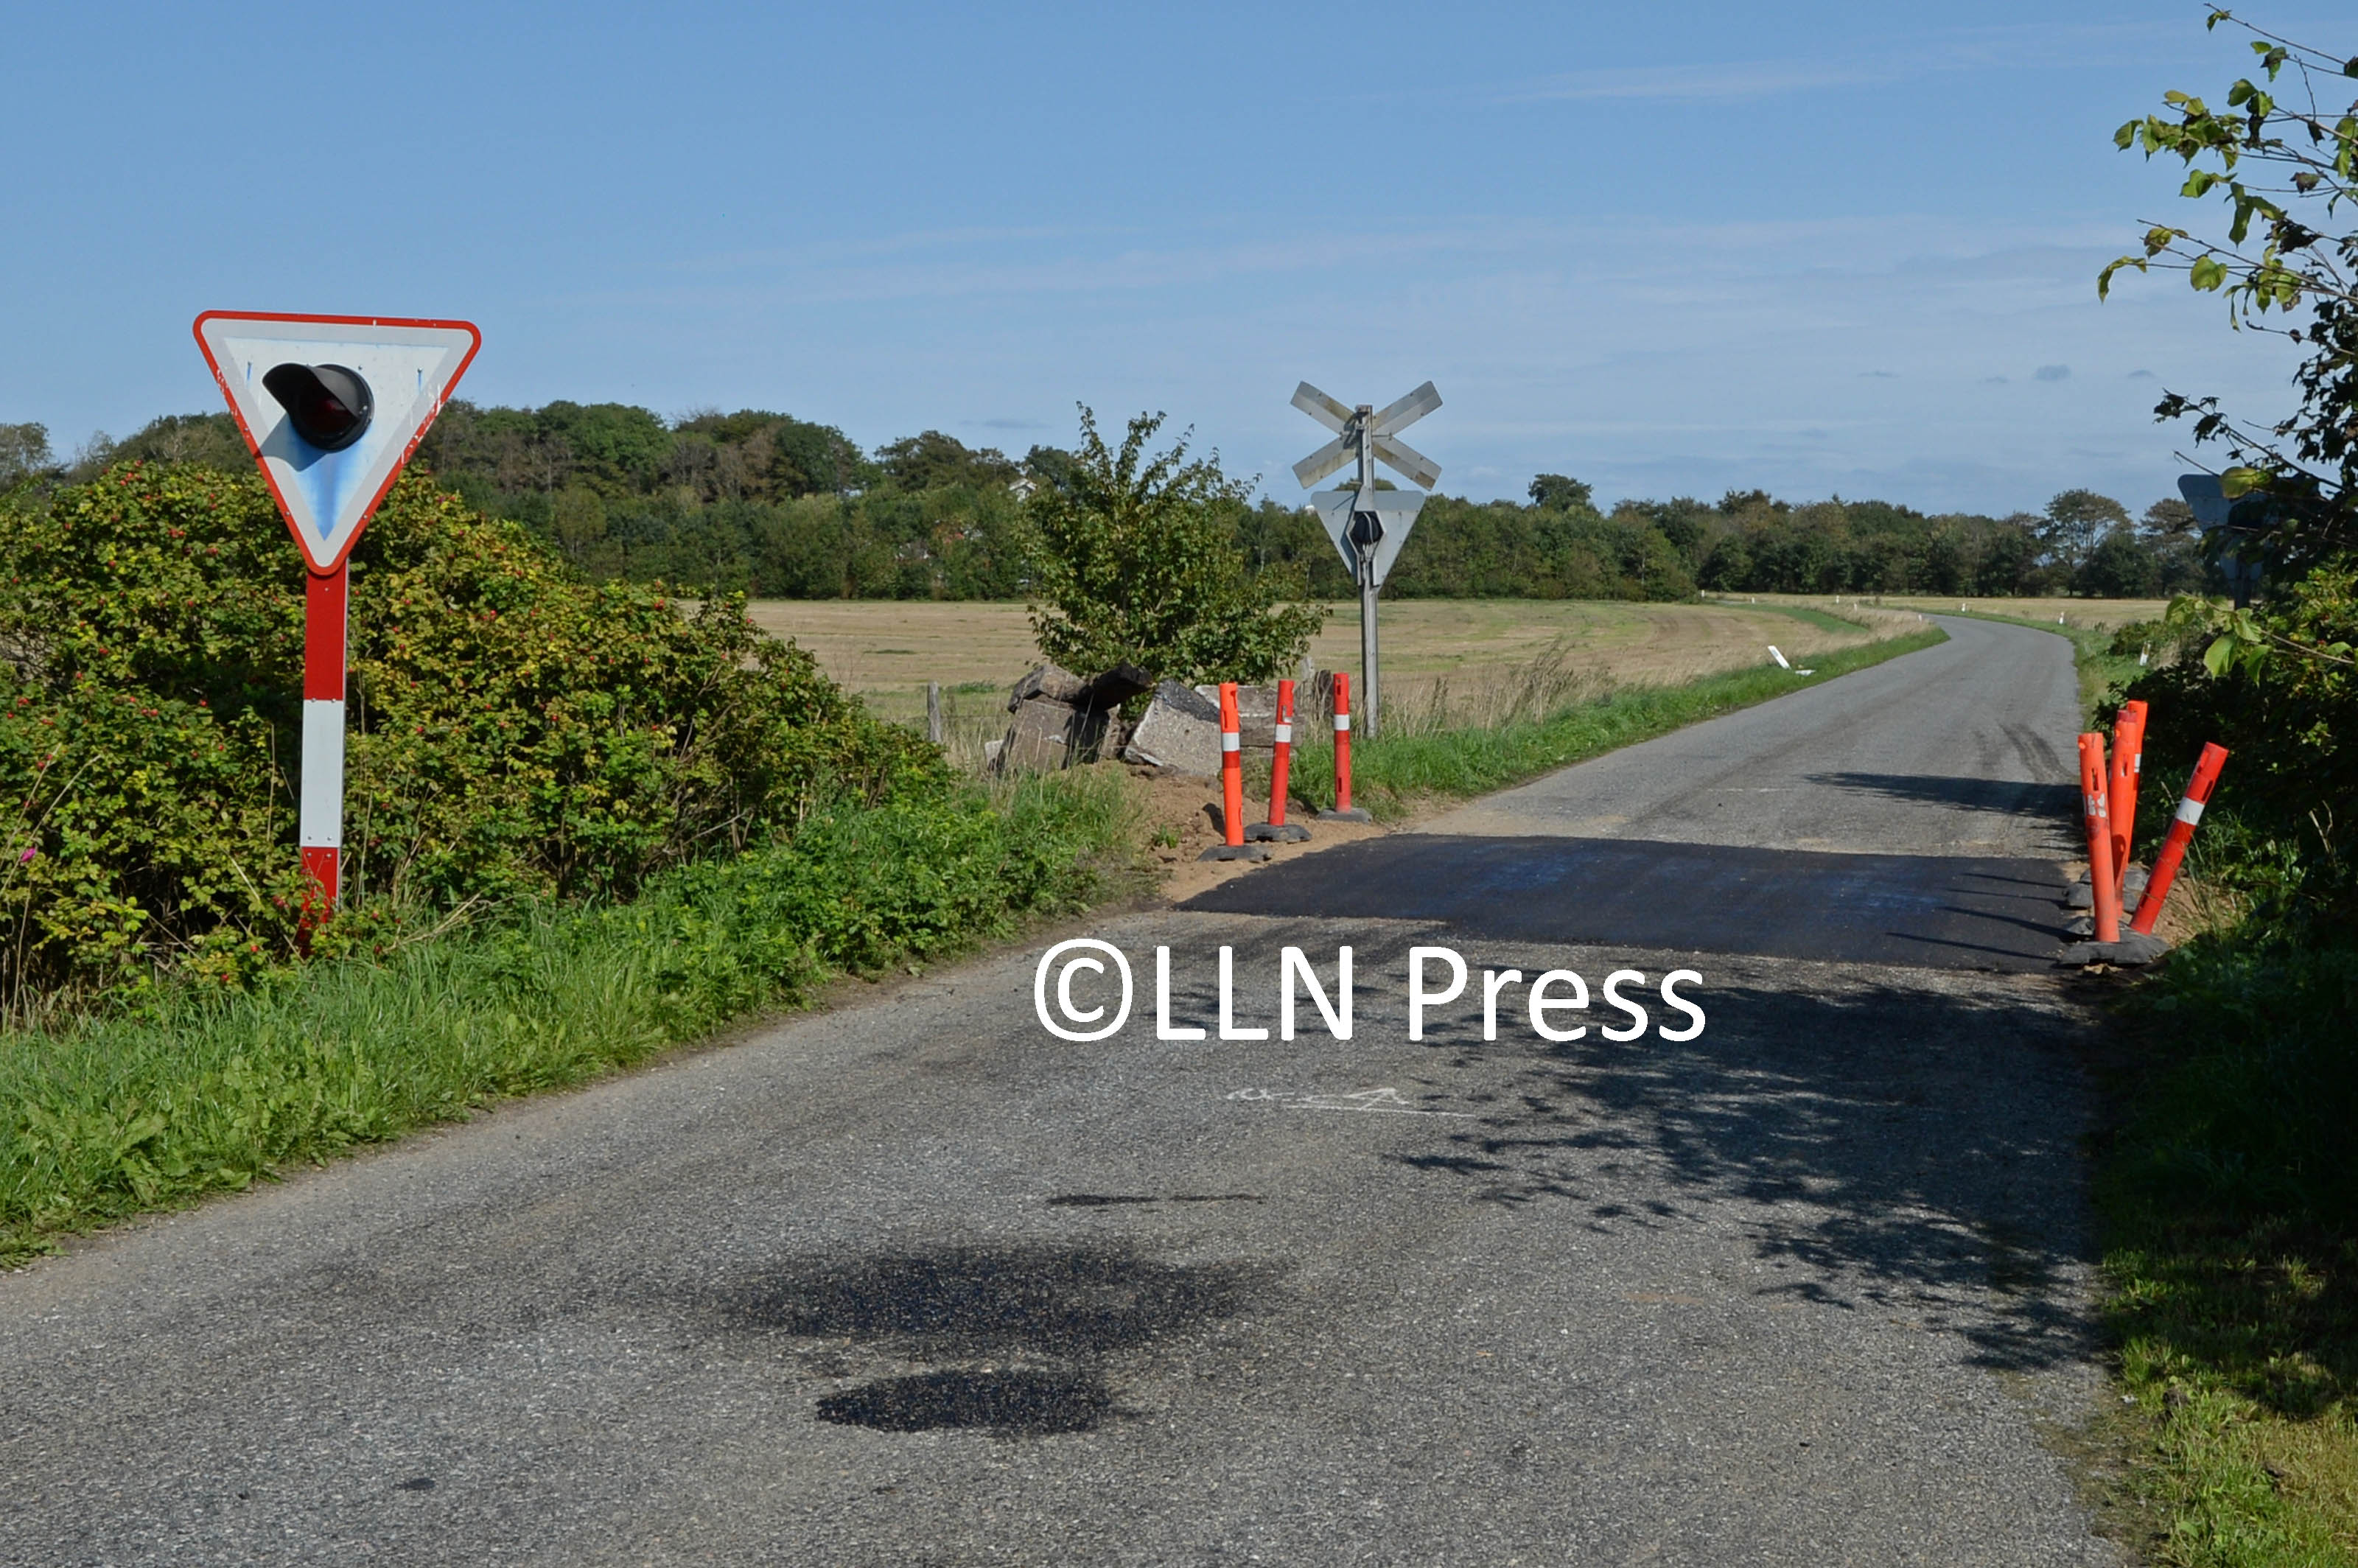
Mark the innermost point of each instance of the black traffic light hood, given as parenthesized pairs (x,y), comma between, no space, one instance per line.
(329,406)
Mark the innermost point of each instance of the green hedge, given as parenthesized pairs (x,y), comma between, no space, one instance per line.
(514,731)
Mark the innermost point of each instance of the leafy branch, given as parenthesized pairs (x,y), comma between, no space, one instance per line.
(2284,161)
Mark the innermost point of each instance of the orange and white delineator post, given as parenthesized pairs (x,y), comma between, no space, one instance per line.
(2181,833)
(1344,810)
(1232,766)
(1232,786)
(1279,763)
(2101,882)
(2121,784)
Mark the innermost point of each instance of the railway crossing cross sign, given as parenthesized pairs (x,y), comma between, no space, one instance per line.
(1369,525)
(331,407)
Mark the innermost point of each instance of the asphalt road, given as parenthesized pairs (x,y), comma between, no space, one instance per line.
(915,1283)
(1964,749)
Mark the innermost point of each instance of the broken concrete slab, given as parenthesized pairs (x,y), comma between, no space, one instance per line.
(1179,730)
(1052,682)
(1117,685)
(1041,739)
(1256,714)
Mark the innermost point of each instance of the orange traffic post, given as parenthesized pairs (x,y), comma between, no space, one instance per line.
(2181,833)
(2100,839)
(1232,765)
(1277,828)
(1344,810)
(1232,786)
(2120,785)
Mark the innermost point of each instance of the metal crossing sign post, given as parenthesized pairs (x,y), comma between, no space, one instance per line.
(1369,525)
(331,406)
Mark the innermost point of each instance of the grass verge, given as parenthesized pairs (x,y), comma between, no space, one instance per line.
(2231,1213)
(113,1116)
(1393,774)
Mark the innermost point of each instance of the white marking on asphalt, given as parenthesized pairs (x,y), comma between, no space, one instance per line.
(1377,1101)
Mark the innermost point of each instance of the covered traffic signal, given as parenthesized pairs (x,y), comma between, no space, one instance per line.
(329,405)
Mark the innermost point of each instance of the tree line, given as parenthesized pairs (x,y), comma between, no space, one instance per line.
(776,506)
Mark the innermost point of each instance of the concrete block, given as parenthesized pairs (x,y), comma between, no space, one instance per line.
(1117,685)
(1179,730)
(1256,715)
(1041,739)
(1052,682)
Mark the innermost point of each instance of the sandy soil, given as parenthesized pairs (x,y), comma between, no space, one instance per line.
(1187,810)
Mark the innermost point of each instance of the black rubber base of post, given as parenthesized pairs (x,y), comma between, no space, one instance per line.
(1236,852)
(1275,832)
(2133,947)
(1357,814)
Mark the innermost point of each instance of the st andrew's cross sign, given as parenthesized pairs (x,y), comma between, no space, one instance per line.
(1367,525)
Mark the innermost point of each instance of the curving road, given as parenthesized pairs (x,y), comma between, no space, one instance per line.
(915,1283)
(1962,748)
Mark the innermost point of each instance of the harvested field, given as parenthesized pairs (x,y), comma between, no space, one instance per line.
(1446,661)
(2102,613)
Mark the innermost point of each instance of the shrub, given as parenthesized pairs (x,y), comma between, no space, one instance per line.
(1137,564)
(2286,704)
(512,729)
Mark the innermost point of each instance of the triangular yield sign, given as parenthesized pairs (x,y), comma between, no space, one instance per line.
(409,368)
(1397,509)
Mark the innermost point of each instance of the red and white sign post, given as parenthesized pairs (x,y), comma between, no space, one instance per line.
(331,406)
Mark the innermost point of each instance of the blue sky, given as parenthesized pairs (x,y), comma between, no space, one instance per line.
(1819,248)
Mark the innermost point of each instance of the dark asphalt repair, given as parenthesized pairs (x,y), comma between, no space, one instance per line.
(1043,1322)
(1938,912)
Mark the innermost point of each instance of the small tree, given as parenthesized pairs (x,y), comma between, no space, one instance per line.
(1136,562)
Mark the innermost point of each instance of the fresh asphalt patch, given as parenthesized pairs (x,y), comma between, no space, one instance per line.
(1930,911)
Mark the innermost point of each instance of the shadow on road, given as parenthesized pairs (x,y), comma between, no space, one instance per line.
(1900,1149)
(2004,797)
